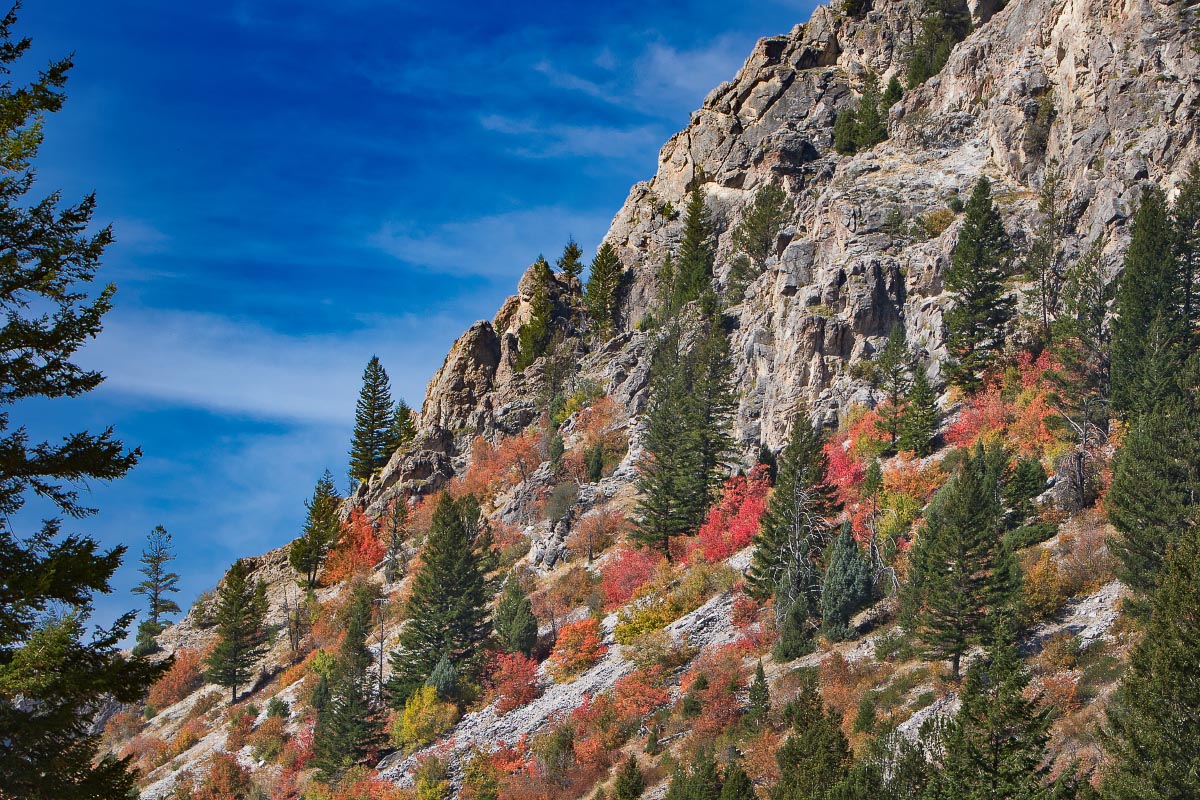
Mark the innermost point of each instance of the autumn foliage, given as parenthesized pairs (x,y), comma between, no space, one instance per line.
(184,677)
(1015,408)
(579,647)
(733,522)
(515,680)
(626,571)
(358,551)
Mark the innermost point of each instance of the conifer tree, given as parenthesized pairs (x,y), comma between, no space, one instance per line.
(321,531)
(1185,217)
(957,573)
(345,725)
(630,783)
(1153,736)
(1081,341)
(1044,262)
(54,672)
(996,745)
(1153,498)
(158,583)
(571,260)
(737,784)
(373,421)
(600,298)
(944,24)
(795,526)
(893,94)
(893,377)
(847,584)
(870,124)
(404,427)
(845,130)
(395,536)
(447,607)
(534,335)
(759,709)
(241,629)
(978,320)
(516,626)
(693,271)
(919,422)
(816,755)
(755,236)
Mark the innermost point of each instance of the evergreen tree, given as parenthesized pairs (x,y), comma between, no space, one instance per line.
(957,573)
(54,672)
(760,698)
(321,531)
(978,320)
(571,260)
(557,448)
(1146,300)
(1153,733)
(345,726)
(893,94)
(919,422)
(737,784)
(996,745)
(692,273)
(1185,218)
(1153,498)
(755,236)
(404,427)
(845,132)
(447,607)
(944,24)
(1044,262)
(444,679)
(701,782)
(629,784)
(847,585)
(816,755)
(516,626)
(870,123)
(594,460)
(1081,342)
(373,421)
(395,536)
(158,583)
(241,629)
(534,335)
(795,526)
(601,297)
(893,370)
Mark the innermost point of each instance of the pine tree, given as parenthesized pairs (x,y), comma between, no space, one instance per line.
(996,745)
(693,271)
(534,335)
(600,298)
(404,427)
(755,236)
(944,24)
(395,537)
(321,531)
(893,94)
(893,371)
(1044,262)
(795,526)
(447,607)
(159,582)
(870,123)
(345,726)
(373,421)
(241,629)
(847,585)
(816,755)
(629,784)
(571,260)
(845,132)
(54,672)
(737,784)
(1153,498)
(557,448)
(919,422)
(956,567)
(759,709)
(1146,298)
(1153,730)
(444,679)
(978,320)
(1185,218)
(1081,343)
(516,626)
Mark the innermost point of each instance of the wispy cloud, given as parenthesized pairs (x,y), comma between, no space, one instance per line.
(493,245)
(539,140)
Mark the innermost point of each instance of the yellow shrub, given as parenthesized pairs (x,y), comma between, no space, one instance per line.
(425,717)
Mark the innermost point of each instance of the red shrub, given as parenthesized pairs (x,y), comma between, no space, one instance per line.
(358,551)
(578,648)
(514,677)
(733,522)
(184,677)
(627,571)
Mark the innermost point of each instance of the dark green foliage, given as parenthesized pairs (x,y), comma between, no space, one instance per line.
(1153,498)
(755,236)
(562,497)
(846,588)
(795,528)
(652,747)
(158,583)
(516,626)
(919,422)
(629,784)
(1082,346)
(856,8)
(759,708)
(1147,333)
(1186,222)
(816,755)
(687,432)
(1044,263)
(996,745)
(278,707)
(977,323)
(870,122)
(54,672)
(893,94)
(241,629)
(957,568)
(796,629)
(321,531)
(395,534)
(601,298)
(593,458)
(845,126)
(944,24)
(373,420)
(768,459)
(557,448)
(1153,736)
(444,679)
(1027,481)
(534,335)
(737,784)
(893,377)
(345,726)
(701,782)
(571,260)
(448,605)
(691,274)
(404,428)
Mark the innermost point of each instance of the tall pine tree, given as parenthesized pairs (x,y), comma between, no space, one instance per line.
(534,335)
(346,725)
(321,531)
(601,297)
(571,260)
(448,603)
(370,447)
(944,24)
(977,322)
(241,629)
(893,377)
(692,271)
(404,427)
(919,422)
(846,587)
(159,582)
(516,626)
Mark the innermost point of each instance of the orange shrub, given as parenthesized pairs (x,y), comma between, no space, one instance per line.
(184,677)
(123,726)
(224,778)
(147,752)
(1045,589)
(187,738)
(719,705)
(639,693)
(626,571)
(356,553)
(595,532)
(579,647)
(514,677)
(1060,691)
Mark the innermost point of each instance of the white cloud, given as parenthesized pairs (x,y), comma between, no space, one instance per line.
(553,140)
(139,236)
(495,245)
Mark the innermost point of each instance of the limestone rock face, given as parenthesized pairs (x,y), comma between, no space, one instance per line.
(1106,92)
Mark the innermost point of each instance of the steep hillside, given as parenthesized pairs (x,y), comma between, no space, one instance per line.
(1105,94)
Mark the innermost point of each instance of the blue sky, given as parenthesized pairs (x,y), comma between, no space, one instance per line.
(295,186)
